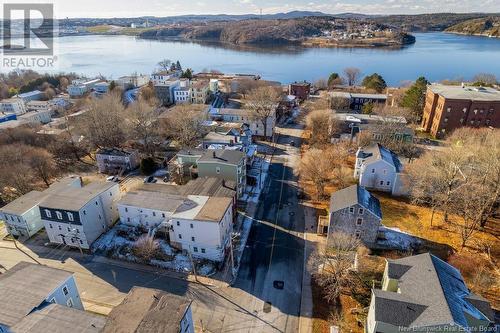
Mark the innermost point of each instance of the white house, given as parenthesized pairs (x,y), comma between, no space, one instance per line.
(13,105)
(126,82)
(79,88)
(40,106)
(161,77)
(198,224)
(36,117)
(77,215)
(22,216)
(29,96)
(379,168)
(182,95)
(27,287)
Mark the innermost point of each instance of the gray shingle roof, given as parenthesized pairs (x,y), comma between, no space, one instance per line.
(353,195)
(24,203)
(55,318)
(396,309)
(377,152)
(222,156)
(435,290)
(147,310)
(208,186)
(24,287)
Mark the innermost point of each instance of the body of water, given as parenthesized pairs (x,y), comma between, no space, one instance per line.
(437,56)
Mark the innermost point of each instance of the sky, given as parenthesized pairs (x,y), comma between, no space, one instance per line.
(136,8)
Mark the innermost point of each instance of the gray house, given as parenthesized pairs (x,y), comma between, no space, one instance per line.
(116,161)
(27,287)
(422,293)
(355,211)
(225,164)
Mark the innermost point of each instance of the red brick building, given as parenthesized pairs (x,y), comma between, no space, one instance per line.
(301,90)
(450,107)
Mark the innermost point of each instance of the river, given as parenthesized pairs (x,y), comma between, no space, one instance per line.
(437,56)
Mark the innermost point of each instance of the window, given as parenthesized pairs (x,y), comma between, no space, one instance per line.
(195,249)
(381,182)
(81,242)
(358,234)
(69,229)
(65,290)
(163,215)
(154,213)
(448,110)
(100,218)
(180,236)
(128,219)
(126,209)
(96,203)
(178,223)
(47,213)
(59,227)
(69,302)
(388,183)
(373,170)
(351,210)
(84,212)
(385,171)
(52,300)
(77,230)
(361,211)
(50,225)
(70,217)
(192,239)
(217,170)
(191,225)
(359,221)
(202,250)
(446,119)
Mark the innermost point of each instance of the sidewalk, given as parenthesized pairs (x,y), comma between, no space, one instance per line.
(311,243)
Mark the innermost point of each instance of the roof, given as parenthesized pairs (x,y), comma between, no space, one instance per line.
(214,209)
(74,198)
(24,287)
(57,318)
(208,186)
(147,310)
(115,152)
(30,94)
(151,200)
(466,92)
(377,152)
(222,156)
(219,137)
(355,195)
(24,203)
(344,94)
(433,290)
(231,111)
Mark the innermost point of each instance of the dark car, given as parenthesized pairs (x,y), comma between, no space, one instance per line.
(278,284)
(150,179)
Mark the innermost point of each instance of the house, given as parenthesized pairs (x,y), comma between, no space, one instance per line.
(379,168)
(13,105)
(355,211)
(27,287)
(132,81)
(224,164)
(29,96)
(356,101)
(101,88)
(55,318)
(116,161)
(200,90)
(450,107)
(162,77)
(22,215)
(77,215)
(149,311)
(422,293)
(300,90)
(245,116)
(182,95)
(79,87)
(39,106)
(165,92)
(36,117)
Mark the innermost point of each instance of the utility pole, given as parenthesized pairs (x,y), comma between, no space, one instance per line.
(192,263)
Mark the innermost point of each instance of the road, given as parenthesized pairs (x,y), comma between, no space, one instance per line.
(274,252)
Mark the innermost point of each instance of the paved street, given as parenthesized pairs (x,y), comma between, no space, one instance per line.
(274,252)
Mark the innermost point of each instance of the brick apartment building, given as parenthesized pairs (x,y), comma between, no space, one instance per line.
(450,107)
(300,89)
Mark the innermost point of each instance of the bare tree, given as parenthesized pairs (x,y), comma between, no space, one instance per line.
(352,75)
(42,164)
(246,85)
(142,118)
(103,124)
(321,84)
(322,125)
(339,103)
(165,64)
(146,247)
(485,78)
(262,103)
(183,123)
(336,265)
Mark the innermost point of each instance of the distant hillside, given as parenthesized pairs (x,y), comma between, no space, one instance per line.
(429,22)
(486,26)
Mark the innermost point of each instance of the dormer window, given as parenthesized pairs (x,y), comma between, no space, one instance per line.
(47,213)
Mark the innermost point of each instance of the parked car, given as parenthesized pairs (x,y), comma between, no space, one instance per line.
(150,179)
(112,179)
